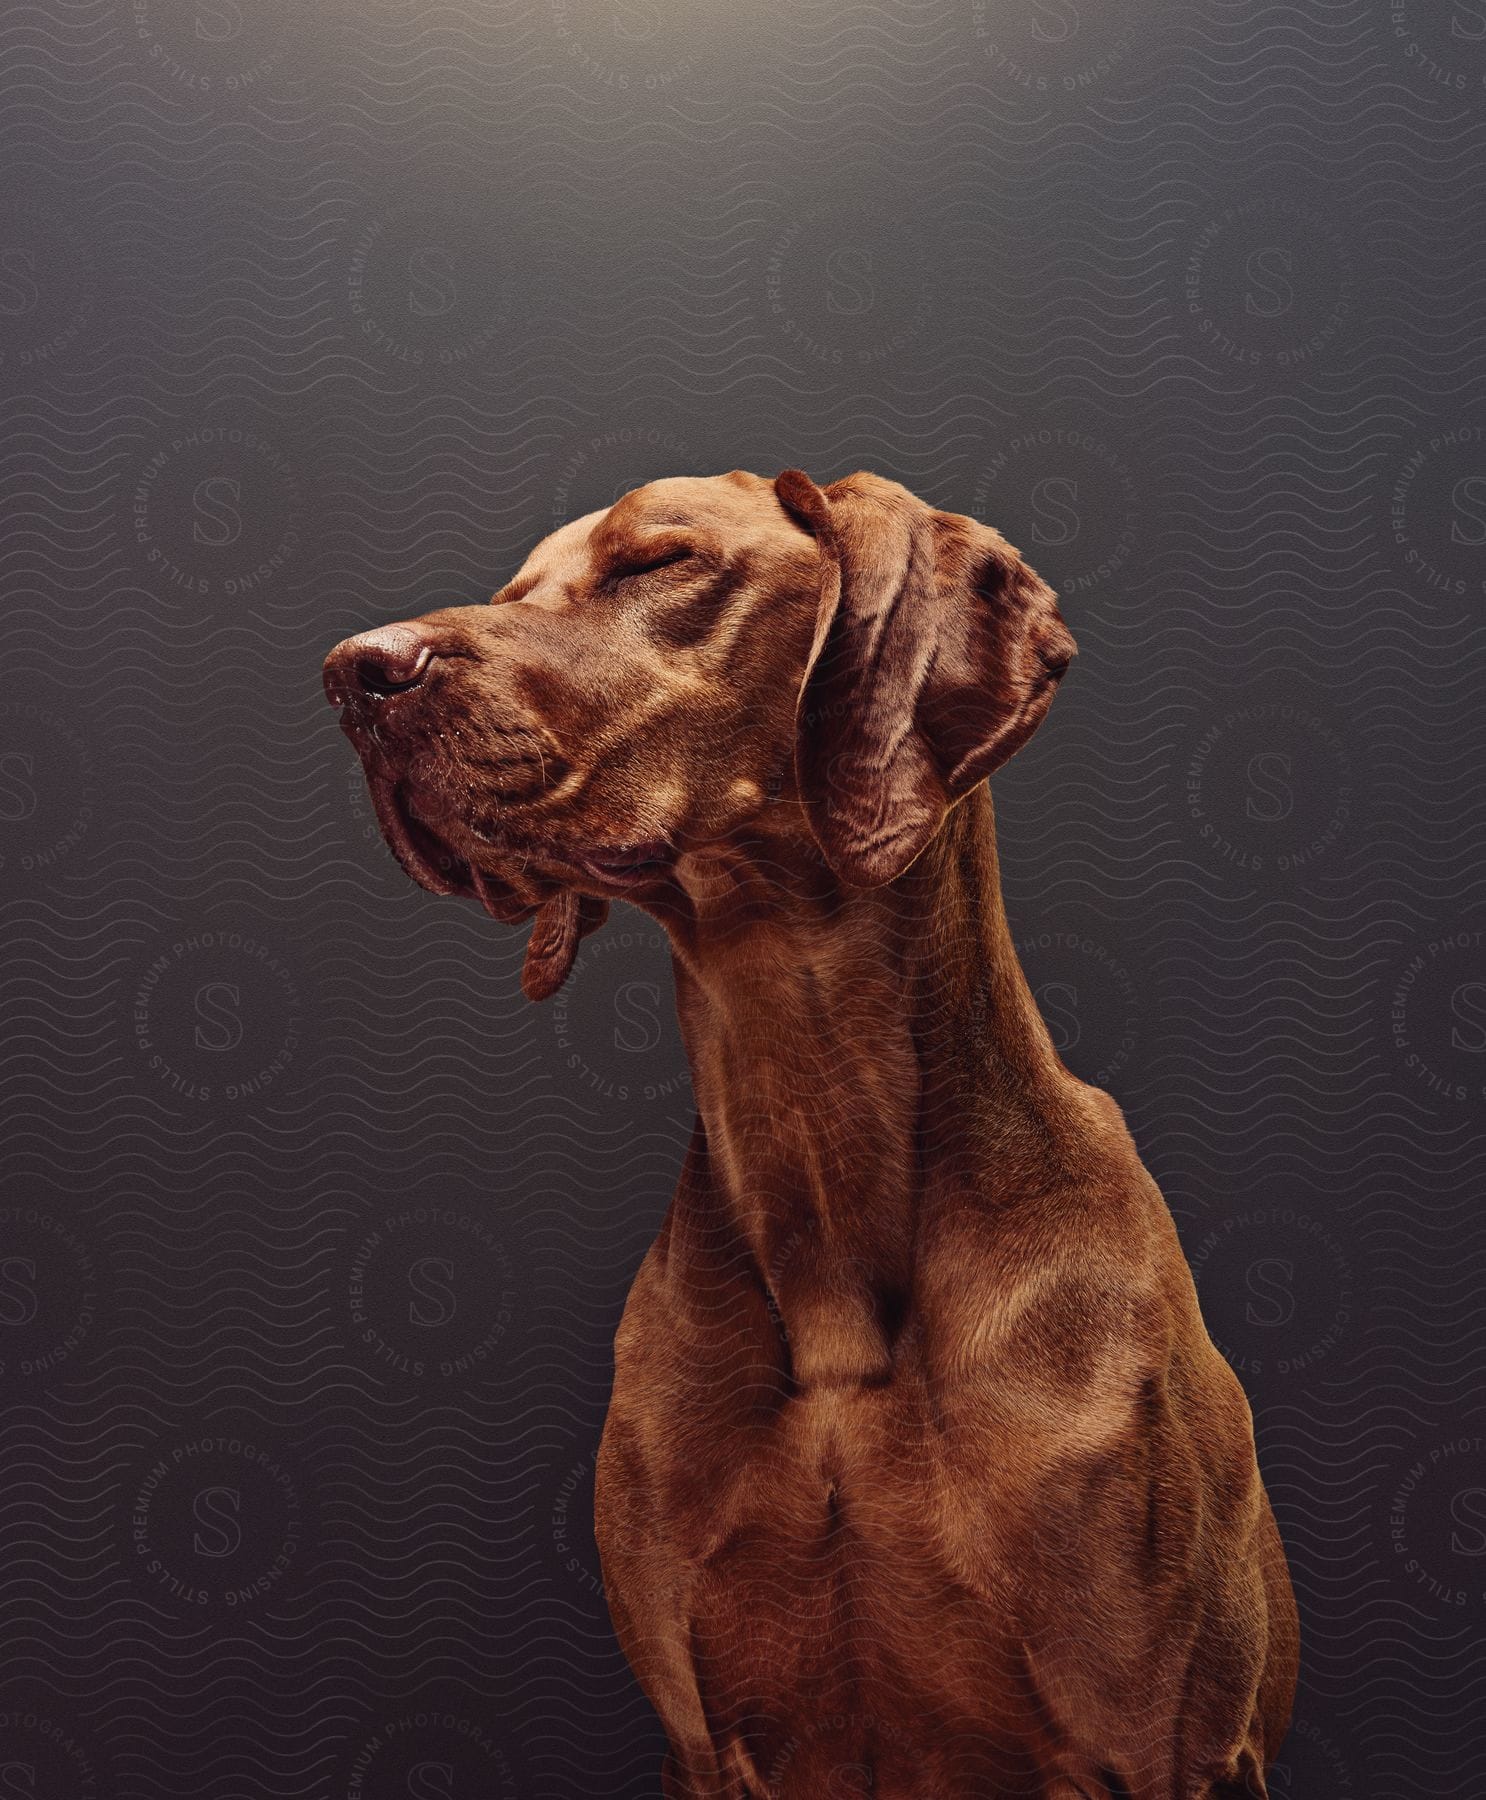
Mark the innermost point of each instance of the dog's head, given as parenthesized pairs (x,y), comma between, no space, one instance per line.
(658,677)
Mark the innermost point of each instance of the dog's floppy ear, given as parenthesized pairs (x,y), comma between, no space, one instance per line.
(936,653)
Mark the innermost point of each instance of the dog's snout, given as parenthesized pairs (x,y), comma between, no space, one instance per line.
(388,660)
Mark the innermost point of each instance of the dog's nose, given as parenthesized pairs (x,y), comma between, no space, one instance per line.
(389,660)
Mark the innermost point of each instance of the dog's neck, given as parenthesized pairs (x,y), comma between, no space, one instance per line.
(861,1061)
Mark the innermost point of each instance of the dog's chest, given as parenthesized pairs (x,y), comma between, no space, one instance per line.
(831,1628)
(842,1553)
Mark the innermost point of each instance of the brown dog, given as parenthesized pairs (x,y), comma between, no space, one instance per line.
(921,1477)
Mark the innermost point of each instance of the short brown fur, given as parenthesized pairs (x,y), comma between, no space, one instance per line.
(921,1476)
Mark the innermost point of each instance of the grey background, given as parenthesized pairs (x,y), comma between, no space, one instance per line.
(314,1234)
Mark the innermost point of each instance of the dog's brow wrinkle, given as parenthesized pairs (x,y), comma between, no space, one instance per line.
(517,588)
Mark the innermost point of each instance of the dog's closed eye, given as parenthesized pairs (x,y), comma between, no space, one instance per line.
(649,559)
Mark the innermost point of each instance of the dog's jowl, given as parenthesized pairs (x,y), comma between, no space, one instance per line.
(921,1478)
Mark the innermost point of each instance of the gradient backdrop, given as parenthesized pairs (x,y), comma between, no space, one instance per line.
(314,1234)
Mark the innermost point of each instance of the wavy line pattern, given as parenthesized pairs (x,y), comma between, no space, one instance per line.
(315,1234)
